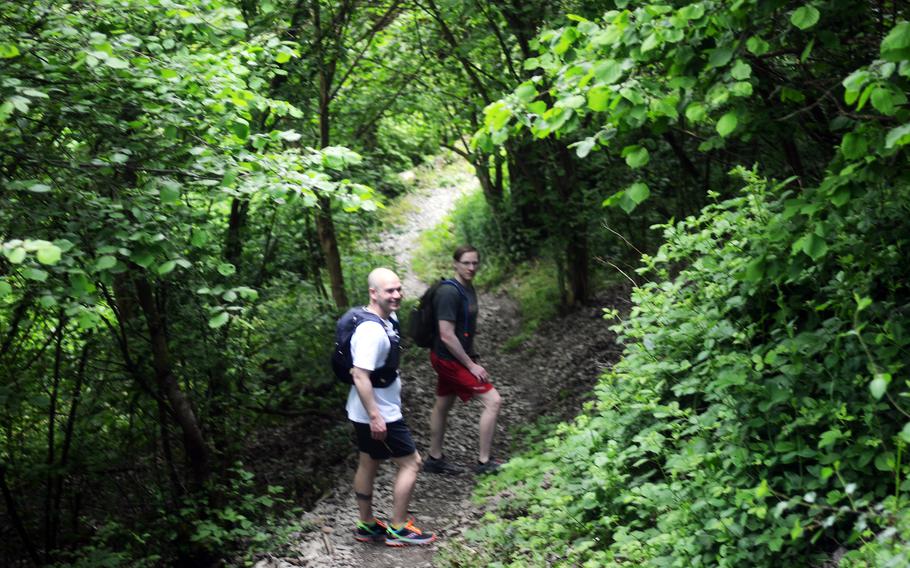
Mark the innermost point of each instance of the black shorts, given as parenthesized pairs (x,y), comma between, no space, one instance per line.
(397,444)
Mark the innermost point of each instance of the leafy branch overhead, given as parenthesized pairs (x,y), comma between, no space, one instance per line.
(721,75)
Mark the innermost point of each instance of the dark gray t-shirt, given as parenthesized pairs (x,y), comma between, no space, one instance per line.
(448,305)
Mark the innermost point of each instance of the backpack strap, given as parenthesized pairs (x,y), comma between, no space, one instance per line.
(464,296)
(386,374)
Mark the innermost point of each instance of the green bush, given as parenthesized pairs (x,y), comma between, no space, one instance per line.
(756,418)
(232,516)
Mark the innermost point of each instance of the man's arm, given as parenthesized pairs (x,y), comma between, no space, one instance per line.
(365,392)
(448,338)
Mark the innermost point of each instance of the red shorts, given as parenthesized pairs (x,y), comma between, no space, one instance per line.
(455,378)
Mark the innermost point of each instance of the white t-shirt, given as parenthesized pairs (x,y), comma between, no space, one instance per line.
(370,346)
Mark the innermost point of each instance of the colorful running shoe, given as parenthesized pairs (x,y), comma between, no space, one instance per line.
(370,532)
(408,535)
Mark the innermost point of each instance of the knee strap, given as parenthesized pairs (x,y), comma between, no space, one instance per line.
(362,497)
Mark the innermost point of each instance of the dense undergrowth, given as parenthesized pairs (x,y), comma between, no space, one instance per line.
(758,416)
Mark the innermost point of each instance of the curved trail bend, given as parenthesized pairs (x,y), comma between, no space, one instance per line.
(548,375)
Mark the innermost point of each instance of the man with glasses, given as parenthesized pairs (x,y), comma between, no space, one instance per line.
(455,362)
(376,415)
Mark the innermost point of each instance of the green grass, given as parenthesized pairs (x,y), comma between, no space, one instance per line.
(534,286)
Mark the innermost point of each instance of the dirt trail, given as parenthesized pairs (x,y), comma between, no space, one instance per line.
(548,375)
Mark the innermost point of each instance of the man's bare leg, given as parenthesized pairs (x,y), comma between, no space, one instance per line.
(408,467)
(438,418)
(491,403)
(363,486)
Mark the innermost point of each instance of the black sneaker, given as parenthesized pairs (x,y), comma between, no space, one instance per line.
(370,532)
(441,465)
(488,467)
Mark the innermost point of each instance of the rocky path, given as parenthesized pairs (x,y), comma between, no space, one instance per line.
(548,375)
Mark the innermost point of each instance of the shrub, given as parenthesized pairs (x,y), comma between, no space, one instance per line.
(756,418)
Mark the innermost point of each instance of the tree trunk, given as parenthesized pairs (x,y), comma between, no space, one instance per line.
(51,515)
(575,225)
(194,443)
(233,247)
(12,510)
(325,228)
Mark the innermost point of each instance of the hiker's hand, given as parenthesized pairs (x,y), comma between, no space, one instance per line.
(377,428)
(479,372)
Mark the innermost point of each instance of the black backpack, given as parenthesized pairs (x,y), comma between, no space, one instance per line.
(342,360)
(422,325)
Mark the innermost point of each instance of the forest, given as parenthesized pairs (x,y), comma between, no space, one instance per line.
(190,193)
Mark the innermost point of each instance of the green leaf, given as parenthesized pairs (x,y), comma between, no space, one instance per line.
(898,136)
(879,384)
(49,254)
(247,293)
(853,145)
(692,11)
(638,192)
(105,262)
(241,129)
(755,270)
(573,101)
(741,70)
(169,192)
(864,96)
(538,107)
(862,302)
(39,188)
(651,42)
(841,196)
(290,135)
(8,51)
(143,258)
(815,246)
(116,63)
(226,269)
(35,274)
(636,156)
(757,46)
(166,267)
(219,320)
(526,92)
(282,57)
(607,71)
(696,112)
(339,157)
(896,45)
(199,238)
(15,256)
(584,147)
(720,56)
(598,98)
(5,289)
(884,461)
(497,115)
(905,433)
(727,124)
(829,438)
(804,17)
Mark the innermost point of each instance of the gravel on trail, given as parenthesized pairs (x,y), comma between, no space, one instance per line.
(550,375)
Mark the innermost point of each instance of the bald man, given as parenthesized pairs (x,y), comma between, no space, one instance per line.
(376,415)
